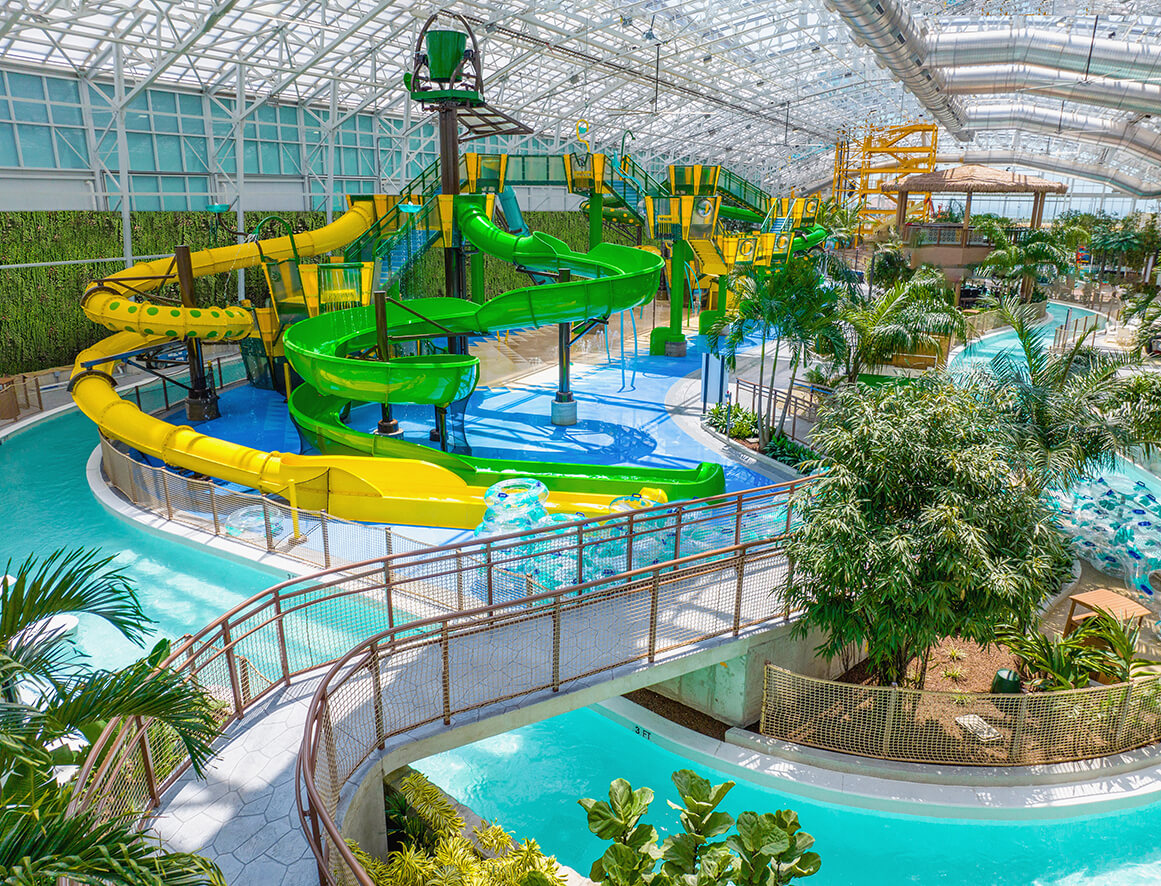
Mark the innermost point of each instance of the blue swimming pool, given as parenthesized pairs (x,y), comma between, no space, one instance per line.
(45,504)
(530,779)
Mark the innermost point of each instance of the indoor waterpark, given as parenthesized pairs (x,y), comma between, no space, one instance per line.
(649,444)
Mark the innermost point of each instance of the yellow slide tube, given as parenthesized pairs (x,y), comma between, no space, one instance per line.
(351,487)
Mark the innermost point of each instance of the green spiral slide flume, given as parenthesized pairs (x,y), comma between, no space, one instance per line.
(605,280)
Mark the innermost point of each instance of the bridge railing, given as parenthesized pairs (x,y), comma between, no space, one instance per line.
(304,624)
(469,664)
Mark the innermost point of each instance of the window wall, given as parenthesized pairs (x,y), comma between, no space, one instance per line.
(180,149)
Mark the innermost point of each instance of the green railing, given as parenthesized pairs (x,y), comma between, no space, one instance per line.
(535,169)
(653,187)
(413,236)
(426,184)
(742,191)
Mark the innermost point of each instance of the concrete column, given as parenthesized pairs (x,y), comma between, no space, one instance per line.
(122,153)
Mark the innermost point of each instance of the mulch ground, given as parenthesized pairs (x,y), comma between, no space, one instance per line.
(956,665)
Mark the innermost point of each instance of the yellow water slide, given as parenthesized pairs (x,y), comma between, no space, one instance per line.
(351,487)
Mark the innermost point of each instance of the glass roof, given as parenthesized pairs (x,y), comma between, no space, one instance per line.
(762,87)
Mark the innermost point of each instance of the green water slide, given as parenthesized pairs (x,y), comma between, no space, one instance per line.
(323,419)
(332,354)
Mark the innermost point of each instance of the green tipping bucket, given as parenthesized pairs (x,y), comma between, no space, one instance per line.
(445,50)
(1006,681)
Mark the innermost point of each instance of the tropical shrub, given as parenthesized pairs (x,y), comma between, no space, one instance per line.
(736,420)
(789,452)
(712,848)
(1069,413)
(914,531)
(797,303)
(52,709)
(916,314)
(428,843)
(1100,645)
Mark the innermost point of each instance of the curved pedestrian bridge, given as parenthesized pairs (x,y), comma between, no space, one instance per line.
(442,647)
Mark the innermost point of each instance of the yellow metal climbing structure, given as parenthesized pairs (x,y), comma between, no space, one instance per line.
(868,157)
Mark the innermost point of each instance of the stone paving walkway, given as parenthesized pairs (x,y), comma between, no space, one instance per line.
(243,815)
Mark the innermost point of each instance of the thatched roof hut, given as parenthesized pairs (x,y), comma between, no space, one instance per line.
(974,179)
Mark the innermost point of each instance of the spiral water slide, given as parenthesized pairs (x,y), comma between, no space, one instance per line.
(605,280)
(421,488)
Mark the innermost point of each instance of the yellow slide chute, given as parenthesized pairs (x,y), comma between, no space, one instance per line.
(351,487)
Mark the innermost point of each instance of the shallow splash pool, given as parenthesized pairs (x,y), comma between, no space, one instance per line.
(530,779)
(1114,517)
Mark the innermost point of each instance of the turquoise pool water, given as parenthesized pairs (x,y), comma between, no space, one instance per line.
(45,504)
(531,778)
(984,349)
(1113,517)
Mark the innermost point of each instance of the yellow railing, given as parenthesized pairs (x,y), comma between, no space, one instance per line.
(961,728)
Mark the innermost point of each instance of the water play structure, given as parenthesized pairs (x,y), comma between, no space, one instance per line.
(340,330)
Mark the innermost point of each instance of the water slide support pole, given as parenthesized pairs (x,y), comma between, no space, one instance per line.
(202,402)
(388,426)
(596,207)
(455,282)
(563,405)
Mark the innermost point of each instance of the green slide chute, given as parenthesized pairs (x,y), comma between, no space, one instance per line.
(329,352)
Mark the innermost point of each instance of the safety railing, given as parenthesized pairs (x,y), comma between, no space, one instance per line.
(429,674)
(802,413)
(303,624)
(961,728)
(314,538)
(424,186)
(934,234)
(743,191)
(20,395)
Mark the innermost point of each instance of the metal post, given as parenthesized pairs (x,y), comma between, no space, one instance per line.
(388,426)
(556,646)
(122,152)
(629,542)
(281,638)
(741,570)
(563,408)
(654,595)
(488,568)
(239,161)
(266,522)
(580,554)
(326,539)
(377,688)
(446,643)
(202,402)
(165,491)
(231,666)
(889,724)
(147,761)
(214,506)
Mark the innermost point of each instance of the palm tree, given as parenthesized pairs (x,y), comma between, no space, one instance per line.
(809,320)
(1117,245)
(1065,410)
(752,308)
(1022,263)
(842,221)
(914,314)
(52,705)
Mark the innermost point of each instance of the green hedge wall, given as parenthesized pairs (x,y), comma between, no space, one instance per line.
(41,323)
(426,277)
